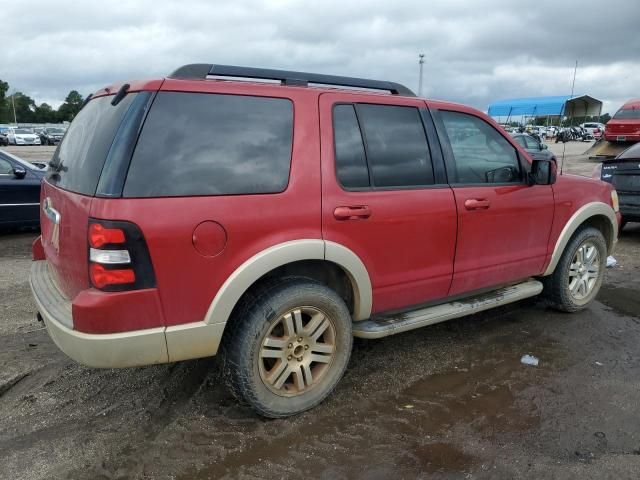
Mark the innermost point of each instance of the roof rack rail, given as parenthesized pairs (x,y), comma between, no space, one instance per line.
(203,70)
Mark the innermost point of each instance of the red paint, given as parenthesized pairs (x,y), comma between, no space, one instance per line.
(111,312)
(625,127)
(37,251)
(418,245)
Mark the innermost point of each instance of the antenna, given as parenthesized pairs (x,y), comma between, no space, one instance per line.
(573,84)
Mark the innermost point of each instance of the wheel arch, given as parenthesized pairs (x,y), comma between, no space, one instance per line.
(322,260)
(596,214)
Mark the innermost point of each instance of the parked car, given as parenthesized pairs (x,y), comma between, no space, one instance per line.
(623,172)
(22,136)
(51,135)
(3,137)
(273,239)
(537,150)
(19,191)
(625,124)
(592,127)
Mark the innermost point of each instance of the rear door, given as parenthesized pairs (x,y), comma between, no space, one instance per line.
(384,195)
(503,224)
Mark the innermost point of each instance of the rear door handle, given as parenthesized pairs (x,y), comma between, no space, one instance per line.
(476,204)
(358,212)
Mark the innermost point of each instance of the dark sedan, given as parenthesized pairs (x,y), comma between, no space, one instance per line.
(537,150)
(19,192)
(51,135)
(623,172)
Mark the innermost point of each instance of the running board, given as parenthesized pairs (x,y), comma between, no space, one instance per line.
(384,326)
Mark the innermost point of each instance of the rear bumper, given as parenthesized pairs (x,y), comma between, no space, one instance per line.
(118,350)
(630,205)
(628,137)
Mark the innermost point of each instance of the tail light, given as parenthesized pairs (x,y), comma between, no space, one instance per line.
(118,256)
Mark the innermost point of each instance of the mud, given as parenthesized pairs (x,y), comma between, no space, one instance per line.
(448,401)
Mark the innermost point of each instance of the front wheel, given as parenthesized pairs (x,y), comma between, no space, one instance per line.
(288,347)
(579,273)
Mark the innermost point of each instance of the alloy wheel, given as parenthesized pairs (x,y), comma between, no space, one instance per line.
(297,351)
(584,270)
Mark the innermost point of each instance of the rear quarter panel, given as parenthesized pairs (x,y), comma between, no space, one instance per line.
(188,281)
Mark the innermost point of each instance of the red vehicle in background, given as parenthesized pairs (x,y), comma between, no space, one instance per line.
(625,124)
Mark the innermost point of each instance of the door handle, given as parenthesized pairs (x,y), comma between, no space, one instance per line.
(476,204)
(359,212)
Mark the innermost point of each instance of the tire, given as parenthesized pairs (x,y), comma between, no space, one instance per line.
(270,362)
(558,289)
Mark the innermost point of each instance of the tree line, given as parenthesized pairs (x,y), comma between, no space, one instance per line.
(26,110)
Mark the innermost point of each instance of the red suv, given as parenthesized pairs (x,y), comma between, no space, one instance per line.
(625,124)
(271,221)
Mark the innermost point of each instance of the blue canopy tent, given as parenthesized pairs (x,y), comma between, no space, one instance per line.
(562,106)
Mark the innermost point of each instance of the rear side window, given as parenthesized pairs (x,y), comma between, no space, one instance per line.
(210,144)
(381,146)
(77,164)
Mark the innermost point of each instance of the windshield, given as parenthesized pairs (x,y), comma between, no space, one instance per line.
(627,113)
(22,131)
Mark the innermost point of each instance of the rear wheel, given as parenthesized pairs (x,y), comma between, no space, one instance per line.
(579,273)
(288,347)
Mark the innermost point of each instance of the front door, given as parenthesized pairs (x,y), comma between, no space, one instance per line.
(385,198)
(503,223)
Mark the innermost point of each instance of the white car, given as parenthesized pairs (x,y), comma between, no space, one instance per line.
(23,136)
(591,127)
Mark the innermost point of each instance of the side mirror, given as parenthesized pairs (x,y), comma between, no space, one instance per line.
(19,172)
(543,146)
(543,172)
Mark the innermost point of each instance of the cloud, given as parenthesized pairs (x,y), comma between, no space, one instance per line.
(476,52)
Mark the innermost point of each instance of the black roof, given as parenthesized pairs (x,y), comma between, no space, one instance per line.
(286,77)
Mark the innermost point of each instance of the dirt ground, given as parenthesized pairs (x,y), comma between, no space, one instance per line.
(448,401)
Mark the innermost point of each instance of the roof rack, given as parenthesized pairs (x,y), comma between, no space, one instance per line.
(203,70)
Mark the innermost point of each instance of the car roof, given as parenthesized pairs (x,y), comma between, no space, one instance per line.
(629,104)
(632,152)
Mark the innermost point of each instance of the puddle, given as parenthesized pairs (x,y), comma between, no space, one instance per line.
(443,457)
(623,300)
(419,429)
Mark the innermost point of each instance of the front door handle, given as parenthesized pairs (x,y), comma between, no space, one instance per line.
(476,204)
(358,212)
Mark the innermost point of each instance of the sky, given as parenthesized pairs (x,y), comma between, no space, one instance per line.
(475,51)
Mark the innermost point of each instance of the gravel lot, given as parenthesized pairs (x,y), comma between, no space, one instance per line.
(448,401)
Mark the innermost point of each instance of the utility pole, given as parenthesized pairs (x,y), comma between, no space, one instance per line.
(13,103)
(421,63)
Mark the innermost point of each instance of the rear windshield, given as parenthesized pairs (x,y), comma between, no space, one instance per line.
(77,163)
(627,113)
(212,144)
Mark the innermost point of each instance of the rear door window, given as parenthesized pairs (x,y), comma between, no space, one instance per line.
(211,144)
(381,146)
